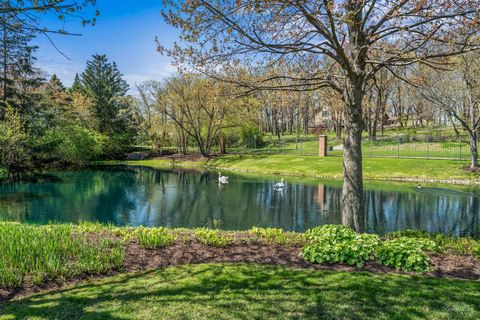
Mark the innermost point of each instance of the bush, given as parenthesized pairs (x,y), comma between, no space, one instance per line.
(71,144)
(212,237)
(455,245)
(3,173)
(252,137)
(14,141)
(407,254)
(337,247)
(152,238)
(330,233)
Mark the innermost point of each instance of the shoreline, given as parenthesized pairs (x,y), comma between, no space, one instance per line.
(234,164)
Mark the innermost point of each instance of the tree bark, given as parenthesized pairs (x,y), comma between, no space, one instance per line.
(352,195)
(474,150)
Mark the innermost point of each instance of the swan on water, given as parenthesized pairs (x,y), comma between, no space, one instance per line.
(280,185)
(222,179)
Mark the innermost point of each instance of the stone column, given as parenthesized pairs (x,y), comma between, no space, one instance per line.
(322,146)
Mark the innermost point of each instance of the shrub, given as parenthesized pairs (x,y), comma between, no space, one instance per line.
(252,137)
(72,144)
(455,245)
(407,254)
(336,246)
(152,238)
(3,173)
(330,233)
(212,237)
(15,147)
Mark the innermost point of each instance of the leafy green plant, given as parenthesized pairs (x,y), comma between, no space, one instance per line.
(454,245)
(152,238)
(33,254)
(213,238)
(330,233)
(339,247)
(277,236)
(407,254)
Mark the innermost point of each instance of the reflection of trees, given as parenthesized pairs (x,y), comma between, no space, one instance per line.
(190,199)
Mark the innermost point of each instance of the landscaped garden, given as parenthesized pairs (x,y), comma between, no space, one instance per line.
(310,274)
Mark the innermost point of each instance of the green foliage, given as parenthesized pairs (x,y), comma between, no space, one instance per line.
(252,137)
(3,173)
(407,254)
(74,143)
(330,233)
(335,245)
(103,83)
(277,236)
(213,238)
(152,238)
(454,245)
(14,141)
(36,253)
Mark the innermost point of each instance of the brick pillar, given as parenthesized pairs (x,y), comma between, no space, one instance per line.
(322,146)
(223,147)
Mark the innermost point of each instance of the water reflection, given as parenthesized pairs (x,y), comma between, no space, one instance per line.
(141,196)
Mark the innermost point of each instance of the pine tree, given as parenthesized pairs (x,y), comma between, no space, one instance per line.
(103,83)
(17,72)
(76,86)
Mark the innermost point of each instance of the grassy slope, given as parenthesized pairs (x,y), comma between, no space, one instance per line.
(254,292)
(331,167)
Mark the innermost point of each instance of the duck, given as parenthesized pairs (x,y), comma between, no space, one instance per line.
(280,185)
(222,179)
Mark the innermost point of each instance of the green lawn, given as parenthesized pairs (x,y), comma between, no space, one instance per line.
(329,167)
(213,291)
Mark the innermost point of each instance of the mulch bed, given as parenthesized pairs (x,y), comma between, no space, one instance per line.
(191,252)
(472,170)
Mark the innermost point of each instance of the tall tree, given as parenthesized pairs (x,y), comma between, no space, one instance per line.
(358,37)
(103,83)
(458,93)
(17,71)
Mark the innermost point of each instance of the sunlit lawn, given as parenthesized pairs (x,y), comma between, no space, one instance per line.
(254,292)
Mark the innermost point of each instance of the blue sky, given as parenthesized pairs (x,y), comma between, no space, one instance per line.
(125,31)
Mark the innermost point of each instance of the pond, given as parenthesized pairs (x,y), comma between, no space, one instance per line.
(180,198)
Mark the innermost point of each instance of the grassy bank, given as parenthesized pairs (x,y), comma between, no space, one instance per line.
(225,291)
(330,167)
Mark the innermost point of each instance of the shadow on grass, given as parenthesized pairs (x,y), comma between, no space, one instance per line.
(254,292)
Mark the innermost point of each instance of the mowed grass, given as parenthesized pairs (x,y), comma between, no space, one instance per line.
(226,291)
(329,167)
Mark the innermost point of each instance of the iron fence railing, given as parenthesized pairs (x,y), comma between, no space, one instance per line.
(422,147)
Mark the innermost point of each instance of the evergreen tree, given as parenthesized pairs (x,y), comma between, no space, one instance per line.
(76,86)
(102,82)
(18,76)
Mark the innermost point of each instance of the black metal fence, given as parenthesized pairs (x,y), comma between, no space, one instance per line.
(421,147)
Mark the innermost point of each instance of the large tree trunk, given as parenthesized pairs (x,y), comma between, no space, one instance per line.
(352,195)
(474,150)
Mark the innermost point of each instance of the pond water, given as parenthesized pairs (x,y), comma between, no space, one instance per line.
(179,198)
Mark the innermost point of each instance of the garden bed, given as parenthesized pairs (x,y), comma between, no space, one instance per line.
(149,249)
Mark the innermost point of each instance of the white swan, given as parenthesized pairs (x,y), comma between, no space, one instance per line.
(280,185)
(222,179)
